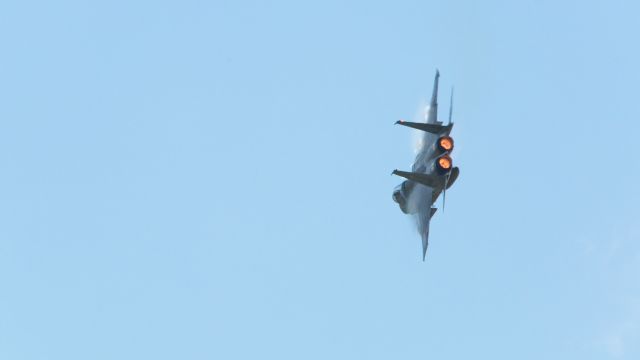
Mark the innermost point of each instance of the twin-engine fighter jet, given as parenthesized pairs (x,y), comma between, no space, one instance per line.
(432,172)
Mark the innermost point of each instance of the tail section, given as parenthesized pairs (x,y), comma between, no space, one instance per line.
(451,106)
(432,115)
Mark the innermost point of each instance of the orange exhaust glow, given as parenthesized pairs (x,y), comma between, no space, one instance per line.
(445,162)
(445,143)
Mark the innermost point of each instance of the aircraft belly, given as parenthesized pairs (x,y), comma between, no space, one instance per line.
(419,200)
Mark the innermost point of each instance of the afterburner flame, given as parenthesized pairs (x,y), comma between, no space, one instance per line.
(445,162)
(445,143)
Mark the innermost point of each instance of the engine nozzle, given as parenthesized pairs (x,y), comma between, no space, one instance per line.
(445,144)
(444,163)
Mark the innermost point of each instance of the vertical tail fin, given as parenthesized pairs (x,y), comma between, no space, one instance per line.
(451,106)
(432,116)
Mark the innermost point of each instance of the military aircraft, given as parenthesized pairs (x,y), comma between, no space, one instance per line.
(432,172)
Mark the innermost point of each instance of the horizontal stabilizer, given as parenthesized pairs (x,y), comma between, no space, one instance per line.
(433,211)
(454,175)
(430,128)
(424,179)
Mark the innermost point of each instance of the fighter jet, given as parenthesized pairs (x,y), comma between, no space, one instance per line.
(432,172)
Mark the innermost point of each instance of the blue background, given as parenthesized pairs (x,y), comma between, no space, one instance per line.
(210,180)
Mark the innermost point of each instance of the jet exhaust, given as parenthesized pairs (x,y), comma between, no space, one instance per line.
(445,144)
(444,164)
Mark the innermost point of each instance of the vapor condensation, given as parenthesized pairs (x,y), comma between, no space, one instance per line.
(418,140)
(417,136)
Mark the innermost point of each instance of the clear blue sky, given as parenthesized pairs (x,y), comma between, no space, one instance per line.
(210,180)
